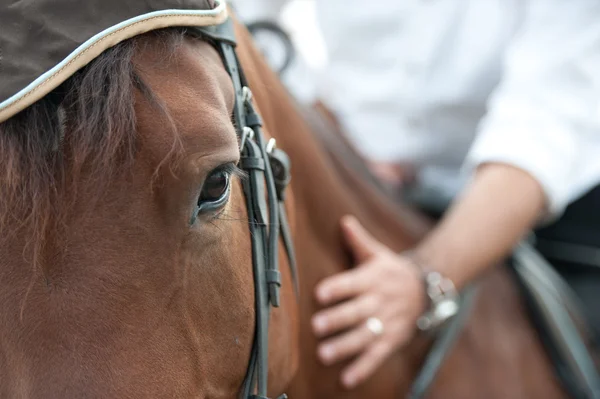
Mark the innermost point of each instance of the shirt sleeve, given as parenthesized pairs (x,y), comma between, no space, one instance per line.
(544,117)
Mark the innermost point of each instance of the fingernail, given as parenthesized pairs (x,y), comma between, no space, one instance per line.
(319,324)
(348,380)
(326,353)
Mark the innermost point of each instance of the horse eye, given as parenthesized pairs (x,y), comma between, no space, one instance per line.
(215,187)
(215,192)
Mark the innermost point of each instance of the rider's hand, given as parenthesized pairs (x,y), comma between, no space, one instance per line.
(383,286)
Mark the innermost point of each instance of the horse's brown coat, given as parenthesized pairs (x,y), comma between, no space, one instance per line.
(140,304)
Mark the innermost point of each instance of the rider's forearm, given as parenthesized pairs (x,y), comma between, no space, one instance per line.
(501,204)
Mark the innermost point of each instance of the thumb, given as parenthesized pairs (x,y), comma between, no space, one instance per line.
(362,244)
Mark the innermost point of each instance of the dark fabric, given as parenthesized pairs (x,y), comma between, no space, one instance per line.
(580,224)
(36,35)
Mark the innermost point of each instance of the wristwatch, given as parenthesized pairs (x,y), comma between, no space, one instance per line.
(442,297)
(443,301)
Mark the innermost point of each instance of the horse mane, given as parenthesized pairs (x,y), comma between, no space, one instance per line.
(78,139)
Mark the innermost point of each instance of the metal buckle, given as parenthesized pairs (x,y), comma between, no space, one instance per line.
(247,134)
(271,145)
(246,94)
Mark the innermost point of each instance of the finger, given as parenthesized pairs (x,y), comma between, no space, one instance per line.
(346,315)
(362,244)
(344,285)
(345,345)
(366,364)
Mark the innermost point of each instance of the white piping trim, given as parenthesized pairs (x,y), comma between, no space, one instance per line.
(213,13)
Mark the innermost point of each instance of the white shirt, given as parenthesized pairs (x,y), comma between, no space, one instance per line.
(450,83)
(442,83)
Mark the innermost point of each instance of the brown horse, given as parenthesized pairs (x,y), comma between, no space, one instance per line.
(107,292)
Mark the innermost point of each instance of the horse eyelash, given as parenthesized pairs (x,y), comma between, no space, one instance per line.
(234,171)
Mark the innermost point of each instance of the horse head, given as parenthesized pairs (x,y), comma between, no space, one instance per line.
(126,258)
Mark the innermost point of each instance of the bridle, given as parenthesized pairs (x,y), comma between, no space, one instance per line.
(268,170)
(269,167)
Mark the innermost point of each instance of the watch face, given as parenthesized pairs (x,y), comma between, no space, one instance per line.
(274,44)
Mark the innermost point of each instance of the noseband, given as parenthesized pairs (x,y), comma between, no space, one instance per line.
(268,170)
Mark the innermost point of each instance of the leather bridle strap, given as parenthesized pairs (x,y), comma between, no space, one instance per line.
(264,202)
(254,191)
(281,165)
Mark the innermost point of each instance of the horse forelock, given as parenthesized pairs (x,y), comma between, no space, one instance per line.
(76,141)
